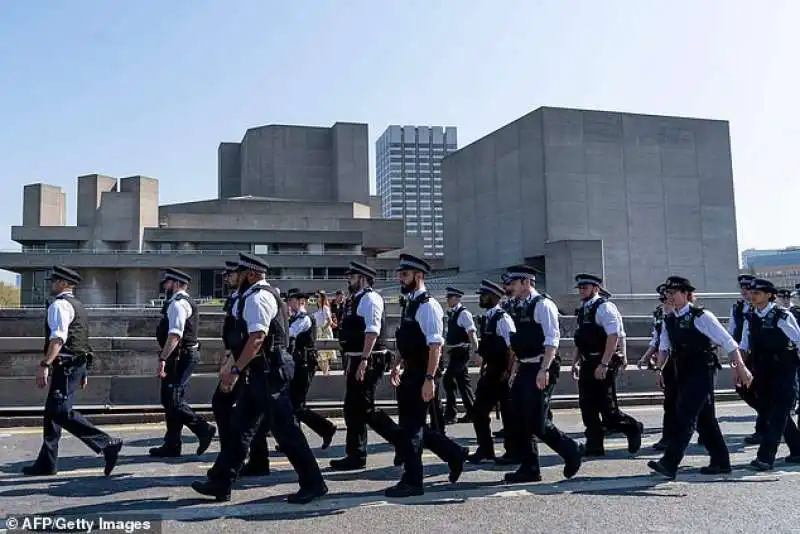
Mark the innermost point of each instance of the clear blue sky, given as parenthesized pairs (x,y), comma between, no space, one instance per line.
(151,87)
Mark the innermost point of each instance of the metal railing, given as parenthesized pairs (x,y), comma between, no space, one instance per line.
(205,252)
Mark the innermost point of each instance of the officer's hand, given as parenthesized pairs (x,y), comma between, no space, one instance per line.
(227,365)
(394,376)
(660,380)
(542,378)
(84,382)
(162,369)
(600,372)
(643,362)
(362,369)
(745,376)
(428,390)
(42,374)
(576,369)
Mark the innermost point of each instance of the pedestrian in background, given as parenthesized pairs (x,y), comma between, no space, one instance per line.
(324,321)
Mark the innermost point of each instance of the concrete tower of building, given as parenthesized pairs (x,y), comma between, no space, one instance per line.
(407,160)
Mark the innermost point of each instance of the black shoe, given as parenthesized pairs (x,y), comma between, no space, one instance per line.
(758,465)
(507,459)
(500,434)
(661,469)
(402,490)
(661,445)
(457,465)
(715,470)
(328,438)
(205,439)
(254,469)
(348,463)
(165,452)
(305,496)
(212,490)
(753,439)
(479,457)
(522,477)
(465,419)
(792,459)
(36,471)
(450,420)
(572,465)
(111,454)
(635,439)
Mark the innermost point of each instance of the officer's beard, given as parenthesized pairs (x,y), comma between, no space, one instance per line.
(169,293)
(405,289)
(485,302)
(510,293)
(353,287)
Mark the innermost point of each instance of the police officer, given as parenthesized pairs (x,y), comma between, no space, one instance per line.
(689,337)
(537,365)
(649,360)
(67,357)
(224,398)
(596,360)
(494,350)
(362,335)
(772,336)
(419,343)
(302,341)
(459,338)
(785,299)
(735,327)
(267,368)
(177,336)
(508,302)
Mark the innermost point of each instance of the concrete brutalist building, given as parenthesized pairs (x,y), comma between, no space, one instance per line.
(632,197)
(298,196)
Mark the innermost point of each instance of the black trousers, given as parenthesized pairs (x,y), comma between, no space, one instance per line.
(532,418)
(178,413)
(58,413)
(435,409)
(750,395)
(456,376)
(265,395)
(360,411)
(492,388)
(222,405)
(414,433)
(598,398)
(298,392)
(777,394)
(695,408)
(670,401)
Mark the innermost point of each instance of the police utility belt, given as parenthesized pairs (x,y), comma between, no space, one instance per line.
(68,360)
(379,359)
(458,346)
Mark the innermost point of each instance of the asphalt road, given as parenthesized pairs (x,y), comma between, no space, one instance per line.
(614,494)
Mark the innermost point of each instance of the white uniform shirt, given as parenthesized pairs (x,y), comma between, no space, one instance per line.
(708,325)
(370,308)
(789,327)
(178,312)
(465,319)
(300,325)
(260,308)
(430,318)
(505,325)
(546,314)
(60,315)
(607,316)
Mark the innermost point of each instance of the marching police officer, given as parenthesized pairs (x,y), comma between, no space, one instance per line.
(494,349)
(508,303)
(459,338)
(362,335)
(302,340)
(177,336)
(267,368)
(785,299)
(689,337)
(419,343)
(67,357)
(735,327)
(649,360)
(596,360)
(224,398)
(772,336)
(537,365)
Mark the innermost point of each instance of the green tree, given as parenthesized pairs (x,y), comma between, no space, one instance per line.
(9,295)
